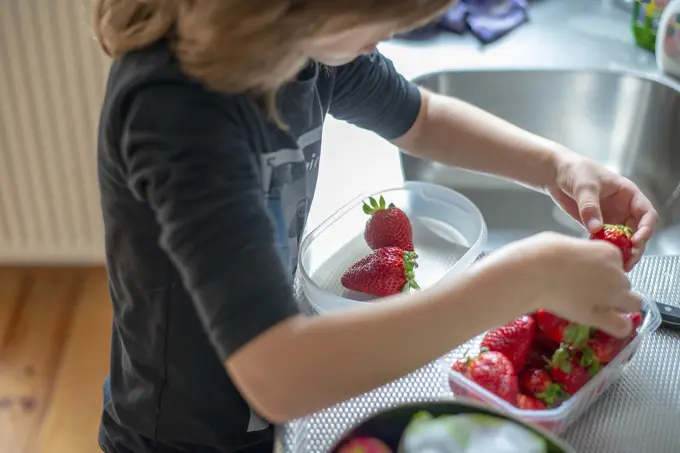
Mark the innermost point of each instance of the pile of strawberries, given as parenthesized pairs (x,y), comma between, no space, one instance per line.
(538,361)
(389,268)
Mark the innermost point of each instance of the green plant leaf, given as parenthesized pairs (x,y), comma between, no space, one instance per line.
(562,359)
(382,202)
(553,393)
(374,204)
(594,368)
(577,335)
(587,356)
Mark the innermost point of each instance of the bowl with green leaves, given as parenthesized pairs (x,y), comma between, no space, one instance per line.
(460,426)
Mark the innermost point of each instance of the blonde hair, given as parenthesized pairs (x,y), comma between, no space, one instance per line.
(243,45)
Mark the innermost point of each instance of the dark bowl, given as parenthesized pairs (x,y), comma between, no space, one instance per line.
(389,425)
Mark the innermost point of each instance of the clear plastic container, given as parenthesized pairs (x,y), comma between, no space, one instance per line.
(556,420)
(448,235)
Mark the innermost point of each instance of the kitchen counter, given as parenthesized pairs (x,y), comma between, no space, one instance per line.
(639,414)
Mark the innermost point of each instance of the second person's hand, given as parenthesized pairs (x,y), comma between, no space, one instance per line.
(595,195)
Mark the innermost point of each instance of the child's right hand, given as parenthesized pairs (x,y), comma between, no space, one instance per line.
(577,279)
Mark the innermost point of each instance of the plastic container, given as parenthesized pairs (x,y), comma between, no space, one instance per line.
(668,40)
(448,235)
(558,419)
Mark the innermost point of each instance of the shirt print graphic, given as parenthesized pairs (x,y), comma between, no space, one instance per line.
(289,179)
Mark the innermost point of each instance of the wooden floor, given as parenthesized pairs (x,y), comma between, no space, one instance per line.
(54,350)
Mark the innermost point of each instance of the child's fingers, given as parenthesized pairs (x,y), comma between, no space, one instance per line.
(612,323)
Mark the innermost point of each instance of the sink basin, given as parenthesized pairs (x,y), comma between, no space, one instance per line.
(629,124)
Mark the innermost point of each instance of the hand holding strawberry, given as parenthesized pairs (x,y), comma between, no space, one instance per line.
(592,194)
(576,279)
(619,235)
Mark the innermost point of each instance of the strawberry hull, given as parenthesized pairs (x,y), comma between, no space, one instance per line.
(559,418)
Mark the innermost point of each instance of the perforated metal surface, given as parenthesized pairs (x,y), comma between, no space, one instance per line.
(640,413)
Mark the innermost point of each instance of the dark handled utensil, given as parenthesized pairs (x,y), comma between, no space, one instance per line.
(670,315)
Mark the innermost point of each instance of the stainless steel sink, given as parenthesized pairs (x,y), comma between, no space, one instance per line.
(627,123)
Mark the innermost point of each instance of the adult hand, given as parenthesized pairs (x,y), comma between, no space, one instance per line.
(594,195)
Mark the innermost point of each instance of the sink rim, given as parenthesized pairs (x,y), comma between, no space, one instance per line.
(654,77)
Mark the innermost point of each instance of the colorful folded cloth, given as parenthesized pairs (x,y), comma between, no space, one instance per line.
(488,20)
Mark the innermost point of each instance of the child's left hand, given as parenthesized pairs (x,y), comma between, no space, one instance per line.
(593,195)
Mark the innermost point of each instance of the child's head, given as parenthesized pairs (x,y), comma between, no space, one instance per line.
(256,45)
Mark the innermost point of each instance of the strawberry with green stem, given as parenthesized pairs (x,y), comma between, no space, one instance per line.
(552,325)
(594,347)
(384,272)
(388,226)
(602,348)
(619,235)
(567,370)
(537,383)
(492,371)
(561,331)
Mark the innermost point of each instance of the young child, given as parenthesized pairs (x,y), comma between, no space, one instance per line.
(213,111)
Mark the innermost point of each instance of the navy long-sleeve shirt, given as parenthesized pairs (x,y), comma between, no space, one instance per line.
(204,202)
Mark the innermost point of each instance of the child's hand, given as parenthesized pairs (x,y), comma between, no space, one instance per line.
(594,195)
(577,279)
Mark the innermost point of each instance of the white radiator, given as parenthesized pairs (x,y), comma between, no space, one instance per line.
(52,77)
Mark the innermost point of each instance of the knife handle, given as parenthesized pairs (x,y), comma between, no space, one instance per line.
(670,315)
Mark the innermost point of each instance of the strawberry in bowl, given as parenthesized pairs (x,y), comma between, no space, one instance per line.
(388,226)
(384,272)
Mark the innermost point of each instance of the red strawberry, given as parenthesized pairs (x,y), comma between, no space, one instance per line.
(537,383)
(567,370)
(603,348)
(494,372)
(461,365)
(552,325)
(538,358)
(560,330)
(541,350)
(636,319)
(543,342)
(365,445)
(528,403)
(513,340)
(388,226)
(384,272)
(620,236)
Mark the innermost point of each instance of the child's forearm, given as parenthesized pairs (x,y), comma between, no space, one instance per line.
(306,364)
(456,133)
